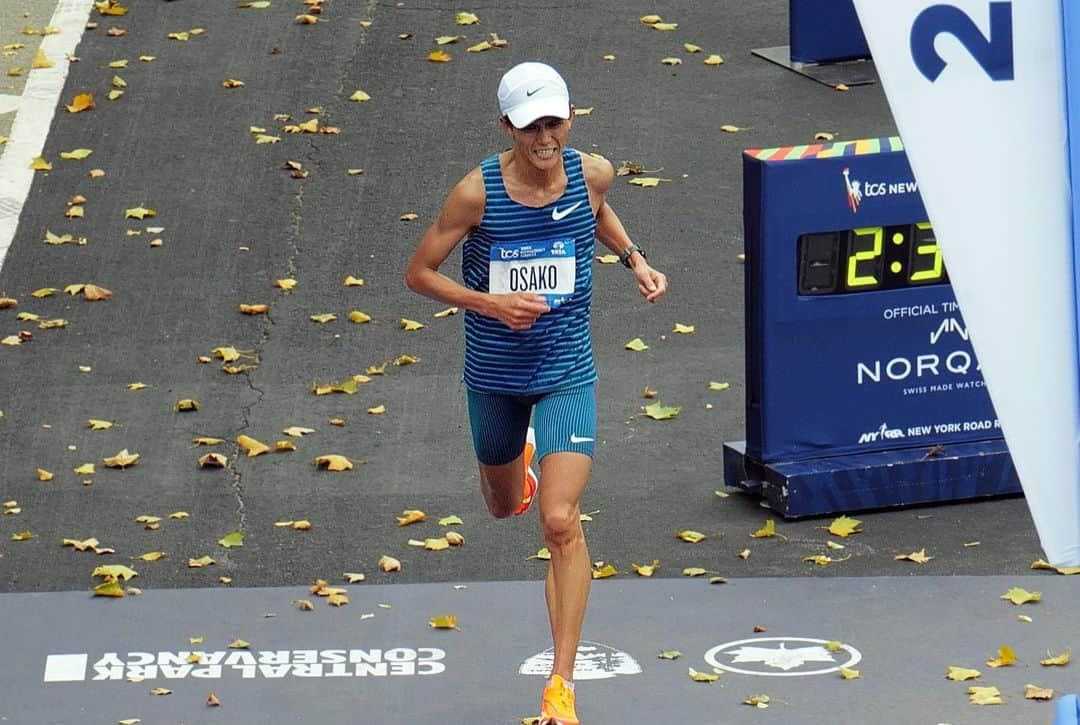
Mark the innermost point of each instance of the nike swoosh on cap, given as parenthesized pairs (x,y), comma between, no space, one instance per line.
(575,439)
(557,215)
(534,90)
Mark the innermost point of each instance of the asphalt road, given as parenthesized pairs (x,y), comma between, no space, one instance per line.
(235,220)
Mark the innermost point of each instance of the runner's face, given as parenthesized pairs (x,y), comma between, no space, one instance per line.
(542,141)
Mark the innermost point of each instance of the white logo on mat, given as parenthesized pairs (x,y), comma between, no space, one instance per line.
(594,661)
(557,215)
(759,654)
(575,438)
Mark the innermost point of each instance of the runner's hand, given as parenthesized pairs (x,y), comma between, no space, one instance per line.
(519,310)
(651,283)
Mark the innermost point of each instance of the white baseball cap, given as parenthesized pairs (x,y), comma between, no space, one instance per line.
(531,90)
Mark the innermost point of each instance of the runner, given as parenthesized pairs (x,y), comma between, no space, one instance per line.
(529,217)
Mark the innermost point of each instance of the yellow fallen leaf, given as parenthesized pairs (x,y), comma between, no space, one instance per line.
(984,696)
(702,676)
(1006,656)
(337,599)
(849,674)
(728,128)
(671,654)
(844,527)
(252,446)
(377,410)
(448,39)
(671,61)
(841,87)
(179,515)
(81,102)
(115,571)
(359,317)
(542,554)
(119,82)
(411,516)
(285,284)
(235,540)
(41,60)
(694,571)
(603,572)
(664,26)
(1019,596)
(646,569)
(226,354)
(86,469)
(480,47)
(1057,660)
(919,557)
(389,563)
(692,537)
(333,462)
(323,318)
(637,345)
(824,136)
(297,431)
(306,19)
(137,386)
(353,578)
(454,538)
(464,18)
(359,96)
(232,83)
(646,181)
(40,164)
(437,544)
(99,424)
(95,293)
(44,475)
(439,56)
(283,446)
(121,460)
(766,531)
(151,556)
(139,212)
(410,325)
(239,644)
(683,329)
(451,521)
(109,589)
(263,138)
(213,460)
(960,674)
(822,560)
(1032,692)
(447,312)
(76,154)
(200,562)
(377,369)
(182,406)
(650,19)
(607,258)
(402,360)
(658,411)
(714,60)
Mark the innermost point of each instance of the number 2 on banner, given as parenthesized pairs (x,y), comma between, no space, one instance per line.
(993,54)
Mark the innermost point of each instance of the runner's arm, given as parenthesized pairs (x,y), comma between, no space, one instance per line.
(462,212)
(610,230)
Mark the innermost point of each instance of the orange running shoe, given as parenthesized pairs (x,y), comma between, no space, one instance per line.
(531,479)
(557,707)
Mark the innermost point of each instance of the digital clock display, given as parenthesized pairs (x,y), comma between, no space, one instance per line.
(869,259)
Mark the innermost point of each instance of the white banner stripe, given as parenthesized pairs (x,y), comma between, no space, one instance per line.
(34,115)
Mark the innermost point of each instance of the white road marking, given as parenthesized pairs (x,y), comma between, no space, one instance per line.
(35,108)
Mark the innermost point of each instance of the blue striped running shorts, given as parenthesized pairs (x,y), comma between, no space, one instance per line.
(565,421)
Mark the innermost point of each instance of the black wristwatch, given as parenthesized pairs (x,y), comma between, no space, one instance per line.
(624,255)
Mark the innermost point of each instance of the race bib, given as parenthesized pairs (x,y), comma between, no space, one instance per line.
(547,268)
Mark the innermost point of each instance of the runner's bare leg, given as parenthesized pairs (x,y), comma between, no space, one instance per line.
(563,477)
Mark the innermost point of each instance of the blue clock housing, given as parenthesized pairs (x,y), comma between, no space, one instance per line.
(857,355)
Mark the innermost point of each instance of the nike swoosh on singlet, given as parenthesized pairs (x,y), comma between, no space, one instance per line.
(574,438)
(557,215)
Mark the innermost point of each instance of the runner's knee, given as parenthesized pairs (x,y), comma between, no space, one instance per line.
(560,524)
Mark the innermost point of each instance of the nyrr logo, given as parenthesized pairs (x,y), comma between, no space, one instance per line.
(594,661)
(884,433)
(854,193)
(783,656)
(267,664)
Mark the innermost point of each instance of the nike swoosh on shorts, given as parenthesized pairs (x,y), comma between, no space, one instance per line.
(557,215)
(575,439)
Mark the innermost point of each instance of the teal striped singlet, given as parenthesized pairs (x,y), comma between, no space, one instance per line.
(556,352)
